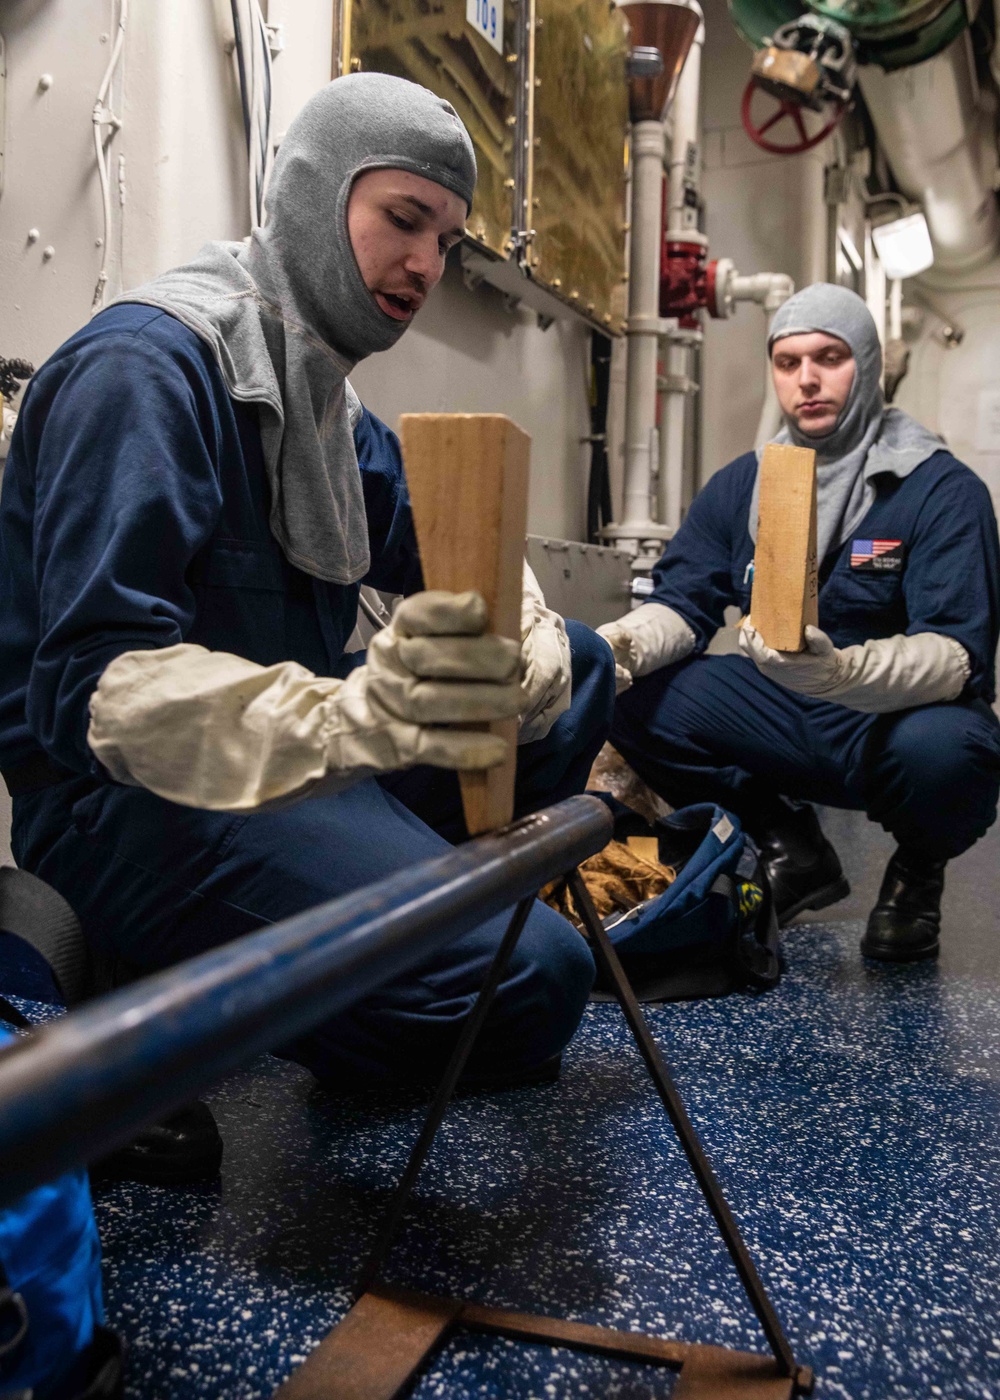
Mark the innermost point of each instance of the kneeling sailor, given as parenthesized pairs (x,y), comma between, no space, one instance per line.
(192,498)
(887,711)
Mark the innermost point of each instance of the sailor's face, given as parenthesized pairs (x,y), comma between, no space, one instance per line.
(813,374)
(401,227)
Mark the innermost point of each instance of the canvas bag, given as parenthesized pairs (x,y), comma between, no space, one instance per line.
(713,931)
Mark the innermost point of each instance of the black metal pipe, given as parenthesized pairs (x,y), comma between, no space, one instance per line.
(84,1084)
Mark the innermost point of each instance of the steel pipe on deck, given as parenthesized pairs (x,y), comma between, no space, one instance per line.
(80,1086)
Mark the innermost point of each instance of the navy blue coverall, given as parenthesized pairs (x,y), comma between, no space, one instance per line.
(135,514)
(712,728)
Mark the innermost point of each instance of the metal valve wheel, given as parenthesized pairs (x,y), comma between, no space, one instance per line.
(786,110)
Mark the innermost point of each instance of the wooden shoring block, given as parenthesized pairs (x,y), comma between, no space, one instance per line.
(468,480)
(785,592)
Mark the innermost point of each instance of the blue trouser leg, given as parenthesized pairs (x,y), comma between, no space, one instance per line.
(548,769)
(714,729)
(933,776)
(157,883)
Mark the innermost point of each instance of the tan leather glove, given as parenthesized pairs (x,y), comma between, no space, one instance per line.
(546,663)
(650,636)
(883,675)
(208,729)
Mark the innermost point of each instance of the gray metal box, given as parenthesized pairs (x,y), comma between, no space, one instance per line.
(589,582)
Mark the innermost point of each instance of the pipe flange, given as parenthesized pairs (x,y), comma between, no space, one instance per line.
(718,288)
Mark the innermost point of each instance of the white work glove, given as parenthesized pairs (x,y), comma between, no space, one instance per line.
(650,636)
(546,664)
(208,729)
(891,673)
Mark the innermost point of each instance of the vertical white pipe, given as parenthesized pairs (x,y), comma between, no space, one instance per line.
(673,407)
(875,287)
(685,156)
(644,317)
(771,420)
(895,309)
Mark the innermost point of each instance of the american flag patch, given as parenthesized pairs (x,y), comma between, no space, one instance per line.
(877,556)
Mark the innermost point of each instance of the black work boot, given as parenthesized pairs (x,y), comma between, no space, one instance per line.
(183,1148)
(906,921)
(803,869)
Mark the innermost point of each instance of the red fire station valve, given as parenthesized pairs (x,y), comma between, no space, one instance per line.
(807,65)
(683,289)
(783,109)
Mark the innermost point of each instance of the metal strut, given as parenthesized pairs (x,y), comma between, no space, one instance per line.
(442,1097)
(611,967)
(388,1335)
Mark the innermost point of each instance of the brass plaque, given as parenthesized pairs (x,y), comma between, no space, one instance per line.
(580,131)
(429,42)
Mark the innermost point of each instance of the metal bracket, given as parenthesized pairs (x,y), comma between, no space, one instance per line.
(524,135)
(676,384)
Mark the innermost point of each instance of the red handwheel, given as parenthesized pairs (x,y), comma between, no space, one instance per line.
(793,111)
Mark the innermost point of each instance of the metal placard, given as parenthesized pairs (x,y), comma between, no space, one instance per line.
(486,19)
(578,142)
(436,46)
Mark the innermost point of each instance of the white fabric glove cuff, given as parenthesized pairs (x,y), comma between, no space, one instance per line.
(879,677)
(547,682)
(649,637)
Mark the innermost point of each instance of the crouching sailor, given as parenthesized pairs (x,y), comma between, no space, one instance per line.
(191,502)
(888,709)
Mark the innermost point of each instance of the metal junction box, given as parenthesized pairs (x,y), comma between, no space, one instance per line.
(588,582)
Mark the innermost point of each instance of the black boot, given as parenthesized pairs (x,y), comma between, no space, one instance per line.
(184,1148)
(906,921)
(803,869)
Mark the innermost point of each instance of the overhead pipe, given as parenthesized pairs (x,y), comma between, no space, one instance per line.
(929,123)
(84,1084)
(666,28)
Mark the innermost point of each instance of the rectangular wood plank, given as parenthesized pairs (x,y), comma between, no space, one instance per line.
(785,595)
(468,480)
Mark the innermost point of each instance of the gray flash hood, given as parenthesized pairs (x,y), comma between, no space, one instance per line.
(287,315)
(867,438)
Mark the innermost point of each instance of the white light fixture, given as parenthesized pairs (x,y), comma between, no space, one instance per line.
(904,246)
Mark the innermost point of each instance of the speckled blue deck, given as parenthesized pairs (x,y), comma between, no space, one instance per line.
(851,1114)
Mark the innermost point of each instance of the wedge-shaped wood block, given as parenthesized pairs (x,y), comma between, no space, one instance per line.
(785,587)
(468,480)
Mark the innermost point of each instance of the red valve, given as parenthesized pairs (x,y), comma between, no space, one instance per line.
(683,290)
(794,112)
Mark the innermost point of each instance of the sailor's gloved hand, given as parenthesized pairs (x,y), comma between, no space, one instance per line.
(620,643)
(434,665)
(208,729)
(546,665)
(883,675)
(814,671)
(650,636)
